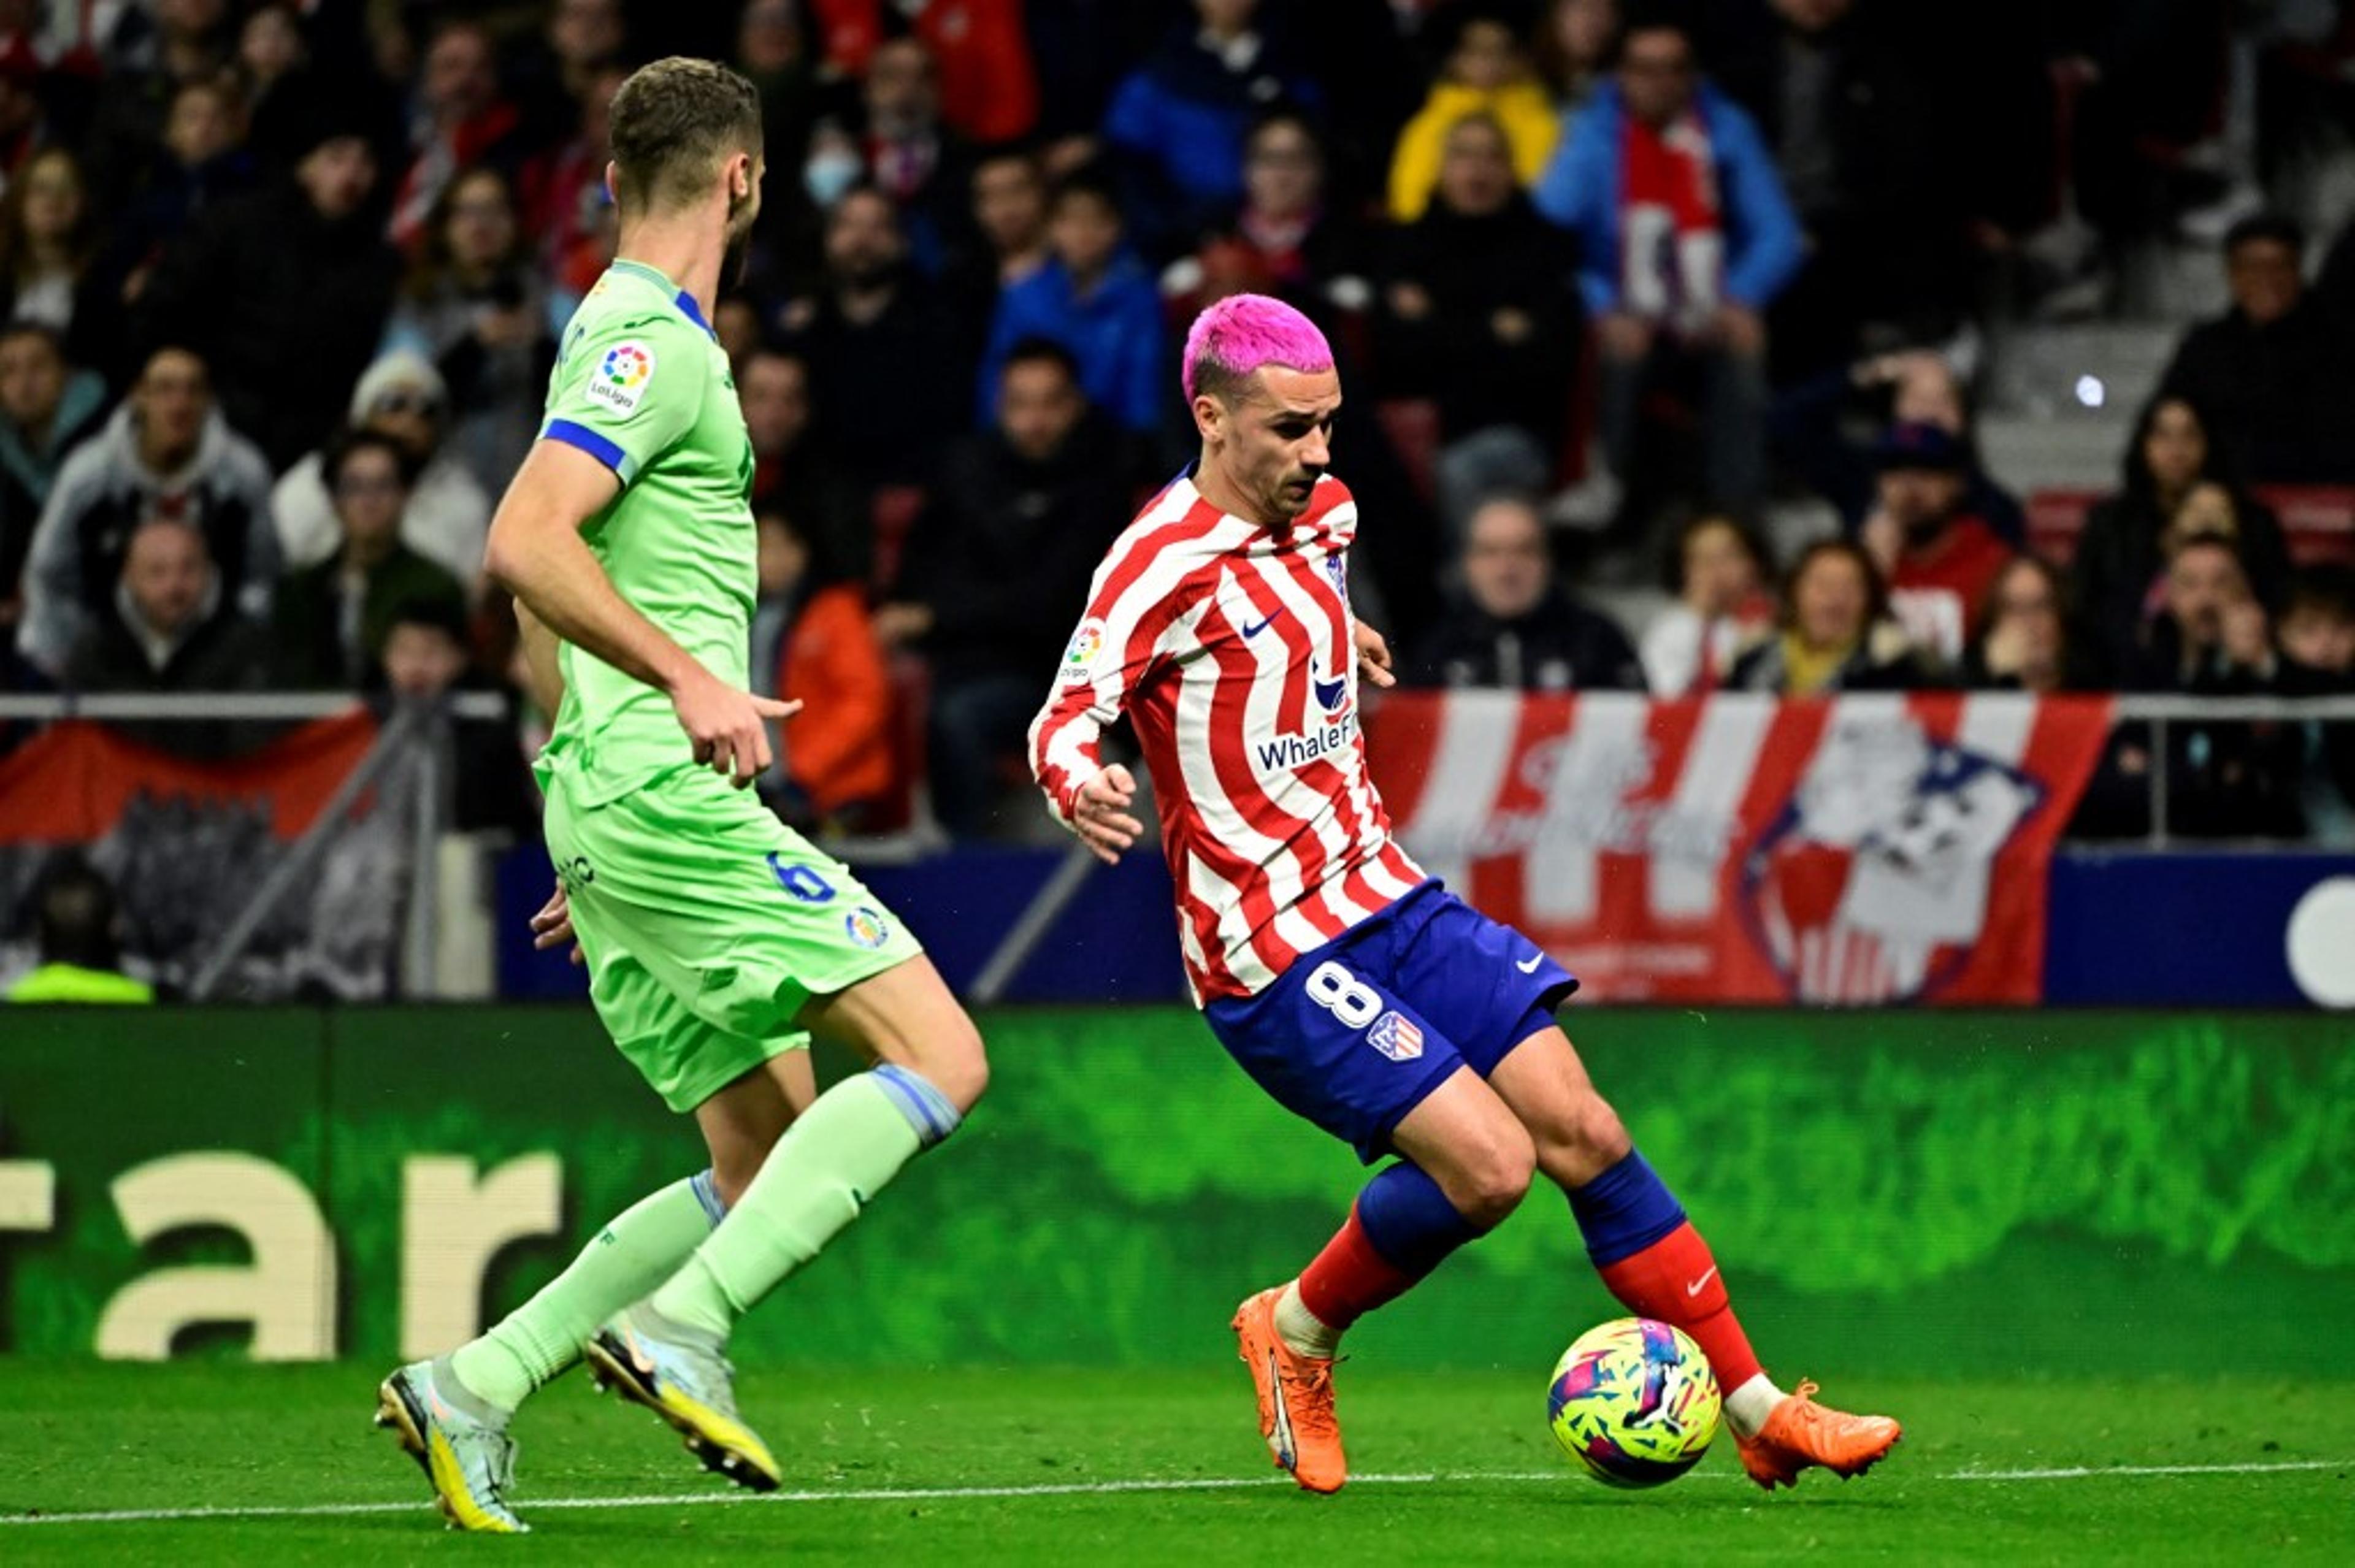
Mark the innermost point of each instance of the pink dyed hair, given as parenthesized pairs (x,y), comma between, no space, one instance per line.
(1242,332)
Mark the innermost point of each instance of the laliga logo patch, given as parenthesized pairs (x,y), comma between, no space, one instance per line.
(1080,659)
(621,377)
(866,927)
(1395,1038)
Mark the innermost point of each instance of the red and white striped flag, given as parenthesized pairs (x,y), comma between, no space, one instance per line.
(1871,847)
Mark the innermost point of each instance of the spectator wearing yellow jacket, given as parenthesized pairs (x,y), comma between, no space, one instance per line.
(1488,72)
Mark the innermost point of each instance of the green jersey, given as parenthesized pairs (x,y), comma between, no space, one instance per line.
(641,385)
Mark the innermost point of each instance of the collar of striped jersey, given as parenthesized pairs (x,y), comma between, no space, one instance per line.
(679,296)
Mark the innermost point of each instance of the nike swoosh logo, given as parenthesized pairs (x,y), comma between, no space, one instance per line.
(1256,627)
(1281,1438)
(1697,1287)
(1530,966)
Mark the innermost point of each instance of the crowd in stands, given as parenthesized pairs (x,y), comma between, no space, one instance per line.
(281,285)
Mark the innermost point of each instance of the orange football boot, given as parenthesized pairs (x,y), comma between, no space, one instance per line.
(1295,1398)
(1800,1434)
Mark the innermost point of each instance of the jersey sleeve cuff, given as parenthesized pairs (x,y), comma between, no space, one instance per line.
(602,448)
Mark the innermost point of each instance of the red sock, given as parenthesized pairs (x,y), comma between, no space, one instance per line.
(1675,1280)
(1350,1279)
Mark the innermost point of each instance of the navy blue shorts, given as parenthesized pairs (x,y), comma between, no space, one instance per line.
(1355,1034)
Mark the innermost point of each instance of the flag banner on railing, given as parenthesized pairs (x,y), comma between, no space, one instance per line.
(186,843)
(1876,847)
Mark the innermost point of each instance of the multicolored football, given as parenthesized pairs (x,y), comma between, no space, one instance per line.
(1633,1403)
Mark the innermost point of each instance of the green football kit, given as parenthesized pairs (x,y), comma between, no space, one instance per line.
(705,922)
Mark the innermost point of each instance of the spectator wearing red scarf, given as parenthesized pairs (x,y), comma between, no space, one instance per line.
(460,120)
(1686,237)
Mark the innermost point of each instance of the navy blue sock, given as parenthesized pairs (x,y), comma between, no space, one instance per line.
(1409,1220)
(1624,1210)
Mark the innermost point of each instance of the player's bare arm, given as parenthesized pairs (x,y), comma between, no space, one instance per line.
(537,553)
(543,671)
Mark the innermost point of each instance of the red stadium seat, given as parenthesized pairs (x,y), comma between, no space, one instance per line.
(2318,521)
(911,689)
(2055,518)
(1412,426)
(892,512)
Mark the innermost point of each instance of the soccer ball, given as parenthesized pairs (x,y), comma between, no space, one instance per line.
(1633,1403)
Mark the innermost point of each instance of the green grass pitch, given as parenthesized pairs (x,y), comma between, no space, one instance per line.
(1139,1468)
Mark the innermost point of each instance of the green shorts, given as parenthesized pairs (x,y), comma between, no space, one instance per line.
(706,924)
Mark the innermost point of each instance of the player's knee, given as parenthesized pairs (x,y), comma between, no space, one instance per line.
(954,1062)
(1586,1143)
(1598,1132)
(1492,1183)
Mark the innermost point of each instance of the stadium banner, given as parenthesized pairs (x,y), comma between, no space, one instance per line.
(1894,1193)
(1864,849)
(187,842)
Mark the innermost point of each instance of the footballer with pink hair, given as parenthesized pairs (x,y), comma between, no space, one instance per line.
(1351,987)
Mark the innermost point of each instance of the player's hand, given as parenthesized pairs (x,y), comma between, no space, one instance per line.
(552,927)
(1100,815)
(1374,657)
(729,728)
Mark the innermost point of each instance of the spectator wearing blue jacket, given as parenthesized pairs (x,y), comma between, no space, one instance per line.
(1686,236)
(1177,125)
(1097,300)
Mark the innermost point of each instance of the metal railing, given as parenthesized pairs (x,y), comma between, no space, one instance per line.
(416,731)
(2163,711)
(425,726)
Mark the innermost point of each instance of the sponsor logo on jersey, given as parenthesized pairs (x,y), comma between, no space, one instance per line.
(866,927)
(622,376)
(1337,729)
(1395,1036)
(1080,659)
(1332,696)
(1283,751)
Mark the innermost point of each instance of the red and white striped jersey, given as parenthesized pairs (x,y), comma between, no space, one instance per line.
(1232,648)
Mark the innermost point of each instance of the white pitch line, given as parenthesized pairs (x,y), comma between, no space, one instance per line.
(1070,1489)
(2085,1472)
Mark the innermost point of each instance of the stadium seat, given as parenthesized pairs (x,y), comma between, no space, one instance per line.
(892,512)
(2318,521)
(1412,426)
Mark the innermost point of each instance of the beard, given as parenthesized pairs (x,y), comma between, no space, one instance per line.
(736,259)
